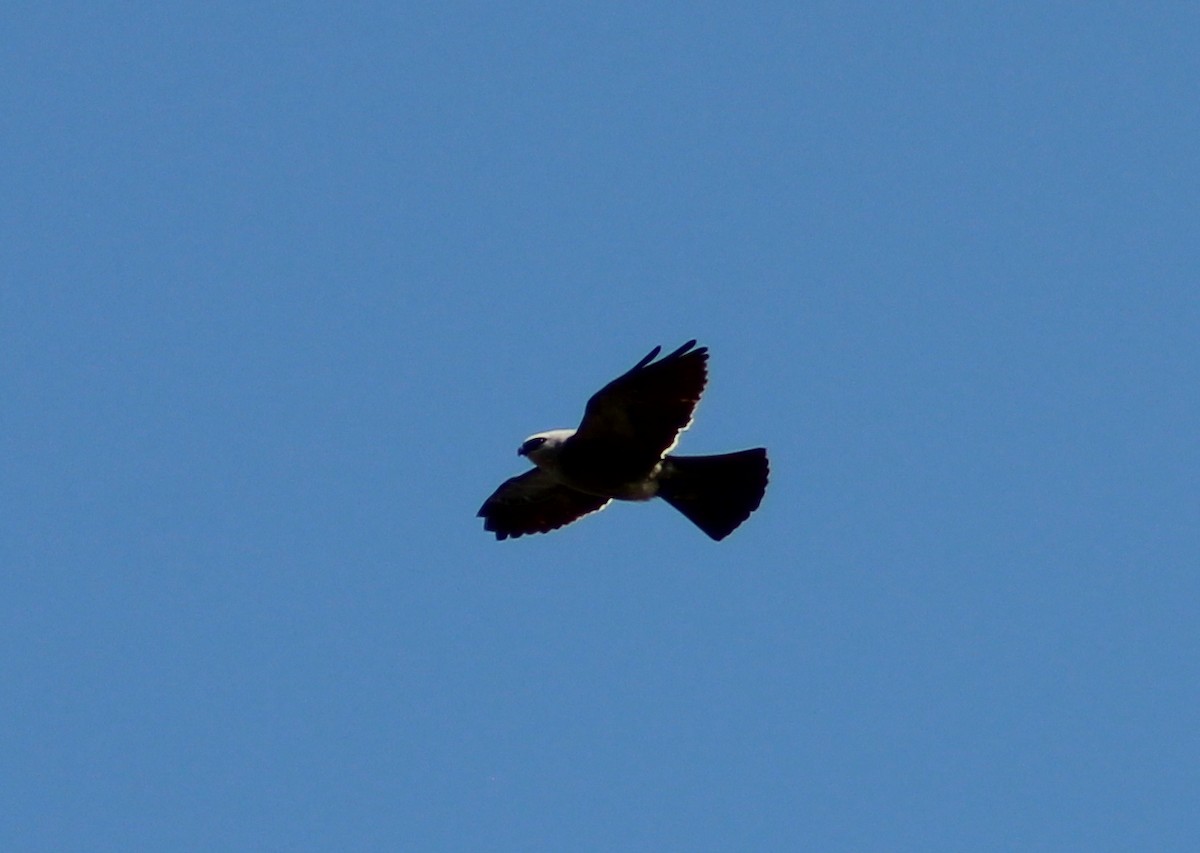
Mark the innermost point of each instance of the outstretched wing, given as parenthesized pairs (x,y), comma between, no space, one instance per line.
(631,422)
(534,503)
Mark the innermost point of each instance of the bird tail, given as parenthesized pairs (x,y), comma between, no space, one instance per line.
(716,493)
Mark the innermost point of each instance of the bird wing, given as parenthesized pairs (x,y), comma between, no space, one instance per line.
(534,503)
(631,422)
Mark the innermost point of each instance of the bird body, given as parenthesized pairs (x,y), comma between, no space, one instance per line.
(621,451)
(553,453)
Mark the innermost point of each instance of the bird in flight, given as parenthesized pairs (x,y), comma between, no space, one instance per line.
(621,451)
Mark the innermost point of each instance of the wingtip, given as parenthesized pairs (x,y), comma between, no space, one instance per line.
(685,349)
(690,348)
(649,357)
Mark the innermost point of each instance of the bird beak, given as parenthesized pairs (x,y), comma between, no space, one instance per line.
(520,451)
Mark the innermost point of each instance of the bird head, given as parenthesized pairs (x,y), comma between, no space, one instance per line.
(543,447)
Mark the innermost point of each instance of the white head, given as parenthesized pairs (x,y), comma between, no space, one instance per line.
(542,449)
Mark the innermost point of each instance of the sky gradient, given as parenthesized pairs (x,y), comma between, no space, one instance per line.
(282,292)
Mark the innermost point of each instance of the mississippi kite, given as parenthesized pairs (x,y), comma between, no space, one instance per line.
(621,451)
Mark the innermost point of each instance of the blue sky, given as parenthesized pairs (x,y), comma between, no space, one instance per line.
(283,290)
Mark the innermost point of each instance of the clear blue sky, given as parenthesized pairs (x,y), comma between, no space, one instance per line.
(283,290)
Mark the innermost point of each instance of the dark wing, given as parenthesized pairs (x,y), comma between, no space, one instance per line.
(533,503)
(632,421)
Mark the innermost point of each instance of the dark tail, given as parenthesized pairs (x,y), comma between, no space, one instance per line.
(716,493)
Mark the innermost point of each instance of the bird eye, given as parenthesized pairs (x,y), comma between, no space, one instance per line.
(532,444)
